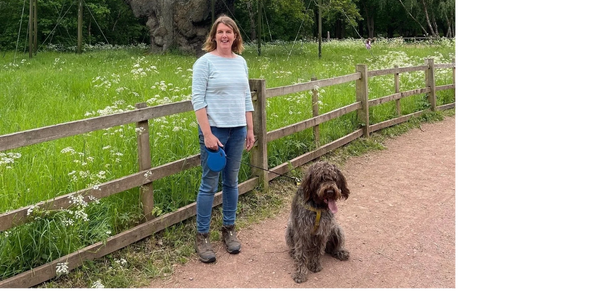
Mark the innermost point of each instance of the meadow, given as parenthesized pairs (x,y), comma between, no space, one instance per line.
(57,87)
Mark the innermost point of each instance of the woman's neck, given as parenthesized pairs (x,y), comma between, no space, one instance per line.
(223,53)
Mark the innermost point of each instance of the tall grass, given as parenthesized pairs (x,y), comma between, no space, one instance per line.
(55,87)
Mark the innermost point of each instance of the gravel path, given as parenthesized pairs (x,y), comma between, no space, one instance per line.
(399,222)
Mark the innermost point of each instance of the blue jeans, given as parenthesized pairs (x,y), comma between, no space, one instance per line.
(234,141)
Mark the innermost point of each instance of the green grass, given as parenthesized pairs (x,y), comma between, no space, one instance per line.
(54,88)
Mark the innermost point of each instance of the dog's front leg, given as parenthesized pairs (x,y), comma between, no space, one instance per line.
(314,254)
(335,244)
(300,262)
(314,263)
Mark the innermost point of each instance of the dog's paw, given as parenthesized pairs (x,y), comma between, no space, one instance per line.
(299,278)
(315,268)
(342,255)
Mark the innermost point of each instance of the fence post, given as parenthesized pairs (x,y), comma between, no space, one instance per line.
(362,96)
(455,73)
(454,79)
(397,90)
(258,154)
(315,111)
(145,163)
(430,83)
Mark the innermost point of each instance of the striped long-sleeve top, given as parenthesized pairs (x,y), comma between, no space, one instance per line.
(221,85)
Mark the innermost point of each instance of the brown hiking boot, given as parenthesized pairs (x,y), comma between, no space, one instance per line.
(229,237)
(204,248)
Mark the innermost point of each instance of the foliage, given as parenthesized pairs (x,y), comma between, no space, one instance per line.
(112,21)
(282,20)
(108,21)
(56,87)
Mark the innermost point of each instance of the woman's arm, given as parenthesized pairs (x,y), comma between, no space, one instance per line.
(210,140)
(250,134)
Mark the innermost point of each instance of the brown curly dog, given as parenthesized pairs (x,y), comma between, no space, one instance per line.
(312,229)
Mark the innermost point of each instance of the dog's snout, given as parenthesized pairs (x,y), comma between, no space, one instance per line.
(329,193)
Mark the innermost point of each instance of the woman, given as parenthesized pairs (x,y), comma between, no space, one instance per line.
(223,107)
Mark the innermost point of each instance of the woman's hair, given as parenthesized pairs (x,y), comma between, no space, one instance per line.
(210,44)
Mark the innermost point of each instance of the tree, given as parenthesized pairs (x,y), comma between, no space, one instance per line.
(369,12)
(57,23)
(281,19)
(447,9)
(177,23)
(341,16)
(183,24)
(251,8)
(430,12)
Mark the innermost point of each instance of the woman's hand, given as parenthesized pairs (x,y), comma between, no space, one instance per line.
(250,140)
(212,142)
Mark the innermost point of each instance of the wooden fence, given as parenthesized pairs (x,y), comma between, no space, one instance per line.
(258,155)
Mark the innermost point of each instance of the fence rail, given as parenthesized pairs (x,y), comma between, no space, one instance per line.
(258,155)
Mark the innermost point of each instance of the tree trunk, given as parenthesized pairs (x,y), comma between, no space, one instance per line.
(433,32)
(338,29)
(450,32)
(180,24)
(370,23)
(165,18)
(369,14)
(452,23)
(251,15)
(390,31)
(413,17)
(435,27)
(371,27)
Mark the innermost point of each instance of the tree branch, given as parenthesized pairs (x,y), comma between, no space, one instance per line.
(423,28)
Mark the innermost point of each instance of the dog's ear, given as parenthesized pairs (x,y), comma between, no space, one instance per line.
(341,183)
(307,185)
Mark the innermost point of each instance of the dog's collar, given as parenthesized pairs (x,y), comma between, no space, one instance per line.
(318,219)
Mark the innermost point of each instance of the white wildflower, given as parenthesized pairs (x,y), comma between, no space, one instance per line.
(148,174)
(68,150)
(62,268)
(31,209)
(121,261)
(81,215)
(68,222)
(97,284)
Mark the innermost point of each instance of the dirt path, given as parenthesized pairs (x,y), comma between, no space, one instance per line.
(399,222)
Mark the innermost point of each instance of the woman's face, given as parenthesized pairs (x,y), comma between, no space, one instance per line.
(224,37)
